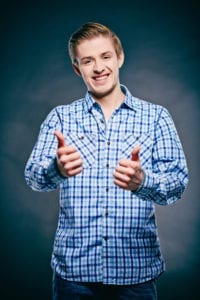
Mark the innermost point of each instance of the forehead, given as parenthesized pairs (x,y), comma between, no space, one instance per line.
(94,46)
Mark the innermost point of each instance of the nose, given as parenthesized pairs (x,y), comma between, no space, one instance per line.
(98,66)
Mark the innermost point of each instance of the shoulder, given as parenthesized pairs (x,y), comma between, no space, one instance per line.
(149,107)
(66,109)
(63,113)
(141,104)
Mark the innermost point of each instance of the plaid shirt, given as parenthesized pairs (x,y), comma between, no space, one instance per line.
(105,233)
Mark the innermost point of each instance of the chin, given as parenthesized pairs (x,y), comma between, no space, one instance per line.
(102,94)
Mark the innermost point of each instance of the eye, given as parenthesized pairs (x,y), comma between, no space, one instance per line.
(86,61)
(106,57)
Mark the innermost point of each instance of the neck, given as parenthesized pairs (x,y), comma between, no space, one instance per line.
(109,103)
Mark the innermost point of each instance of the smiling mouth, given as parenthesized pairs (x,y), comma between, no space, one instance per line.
(100,77)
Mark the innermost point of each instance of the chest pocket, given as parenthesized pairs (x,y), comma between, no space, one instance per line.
(85,143)
(145,142)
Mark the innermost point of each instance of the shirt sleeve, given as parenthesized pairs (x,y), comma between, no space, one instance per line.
(165,181)
(41,172)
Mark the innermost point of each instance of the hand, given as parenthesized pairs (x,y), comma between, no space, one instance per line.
(129,174)
(68,158)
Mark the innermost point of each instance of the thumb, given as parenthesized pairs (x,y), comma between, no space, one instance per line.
(135,154)
(60,138)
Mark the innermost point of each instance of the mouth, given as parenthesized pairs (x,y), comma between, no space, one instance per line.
(101,77)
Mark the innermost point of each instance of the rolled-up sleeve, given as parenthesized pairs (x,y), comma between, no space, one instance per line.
(167,179)
(41,172)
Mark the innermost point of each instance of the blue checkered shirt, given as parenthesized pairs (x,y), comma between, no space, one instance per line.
(105,233)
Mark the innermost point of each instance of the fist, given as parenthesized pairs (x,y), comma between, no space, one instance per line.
(69,161)
(129,174)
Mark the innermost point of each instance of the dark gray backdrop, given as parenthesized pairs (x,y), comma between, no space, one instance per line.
(161,42)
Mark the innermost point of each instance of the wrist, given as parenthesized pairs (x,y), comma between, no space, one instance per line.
(60,168)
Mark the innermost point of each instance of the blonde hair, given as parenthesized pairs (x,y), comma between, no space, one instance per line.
(88,31)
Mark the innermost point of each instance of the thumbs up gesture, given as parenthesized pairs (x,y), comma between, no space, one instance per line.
(129,174)
(69,161)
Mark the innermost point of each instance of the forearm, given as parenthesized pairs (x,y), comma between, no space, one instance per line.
(41,172)
(43,175)
(163,189)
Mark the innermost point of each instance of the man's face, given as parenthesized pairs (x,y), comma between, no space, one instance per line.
(98,65)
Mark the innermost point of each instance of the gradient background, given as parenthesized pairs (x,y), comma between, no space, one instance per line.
(161,42)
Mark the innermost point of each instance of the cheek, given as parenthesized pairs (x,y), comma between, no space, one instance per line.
(86,80)
(116,71)
(85,74)
(115,67)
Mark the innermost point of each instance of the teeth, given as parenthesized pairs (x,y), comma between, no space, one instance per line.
(101,77)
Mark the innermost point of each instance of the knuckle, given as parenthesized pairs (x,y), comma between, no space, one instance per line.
(61,159)
(128,180)
(67,166)
(70,173)
(132,172)
(64,161)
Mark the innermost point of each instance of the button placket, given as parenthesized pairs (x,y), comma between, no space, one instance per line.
(106,214)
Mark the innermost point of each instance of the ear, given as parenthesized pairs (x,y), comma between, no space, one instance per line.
(121,59)
(76,69)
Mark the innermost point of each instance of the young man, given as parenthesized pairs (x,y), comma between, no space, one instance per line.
(113,156)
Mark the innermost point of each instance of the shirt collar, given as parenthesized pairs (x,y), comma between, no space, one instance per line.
(129,100)
(89,102)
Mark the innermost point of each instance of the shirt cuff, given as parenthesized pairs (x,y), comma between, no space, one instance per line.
(145,189)
(54,174)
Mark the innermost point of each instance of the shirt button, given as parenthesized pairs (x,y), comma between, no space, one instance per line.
(107,165)
(101,120)
(107,189)
(108,143)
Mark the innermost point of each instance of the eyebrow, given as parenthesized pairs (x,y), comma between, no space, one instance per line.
(107,52)
(102,54)
(86,57)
